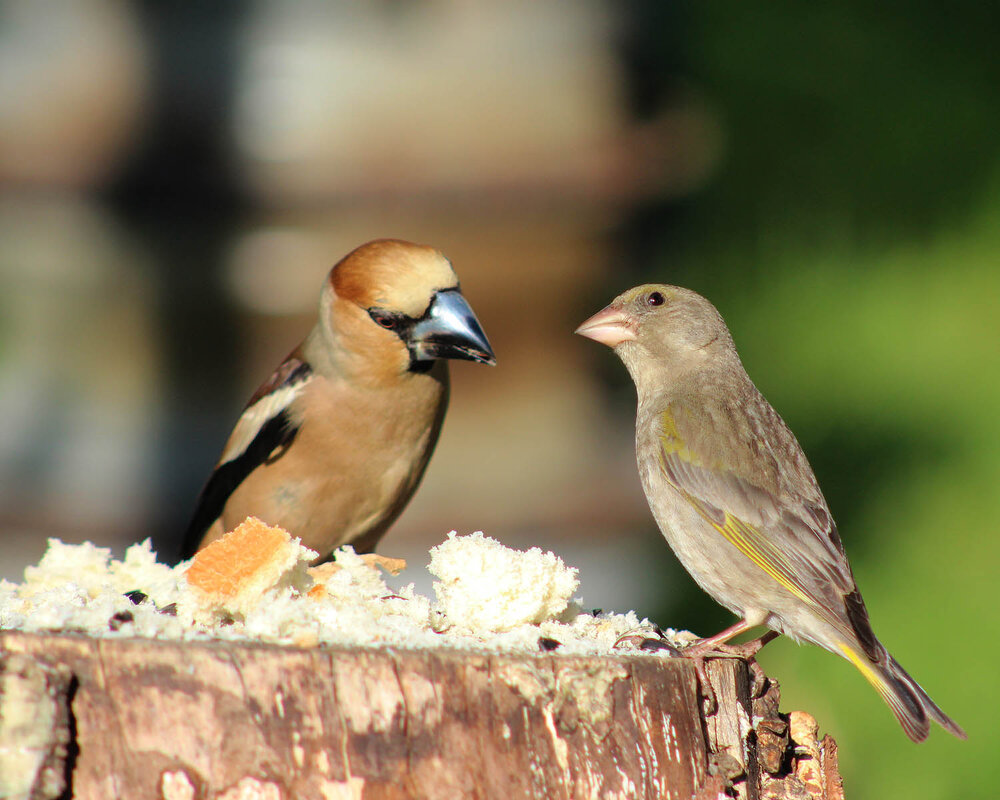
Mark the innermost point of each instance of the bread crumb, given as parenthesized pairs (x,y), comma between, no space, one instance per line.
(485,586)
(255,585)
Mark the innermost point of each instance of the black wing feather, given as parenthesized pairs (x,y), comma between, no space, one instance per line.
(241,457)
(277,433)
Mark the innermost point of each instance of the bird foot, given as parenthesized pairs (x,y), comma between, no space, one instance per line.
(707,692)
(701,651)
(709,648)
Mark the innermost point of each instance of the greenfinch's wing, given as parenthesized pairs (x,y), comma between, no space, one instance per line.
(744,490)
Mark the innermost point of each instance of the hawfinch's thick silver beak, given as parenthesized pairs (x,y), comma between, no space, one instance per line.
(449,329)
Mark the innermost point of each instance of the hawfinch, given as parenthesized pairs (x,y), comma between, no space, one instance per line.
(332,446)
(734,496)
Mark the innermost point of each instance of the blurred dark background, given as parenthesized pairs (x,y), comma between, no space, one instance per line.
(177,179)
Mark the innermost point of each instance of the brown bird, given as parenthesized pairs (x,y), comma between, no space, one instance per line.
(332,446)
(734,496)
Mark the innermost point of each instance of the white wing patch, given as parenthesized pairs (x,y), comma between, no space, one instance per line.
(257,416)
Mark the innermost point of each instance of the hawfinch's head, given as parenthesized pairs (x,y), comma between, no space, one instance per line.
(400,302)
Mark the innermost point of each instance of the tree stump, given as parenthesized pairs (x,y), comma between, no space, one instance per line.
(135,718)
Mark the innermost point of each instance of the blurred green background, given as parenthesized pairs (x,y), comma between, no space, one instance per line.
(174,183)
(851,240)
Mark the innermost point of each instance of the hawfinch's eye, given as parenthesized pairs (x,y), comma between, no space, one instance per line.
(654,299)
(386,320)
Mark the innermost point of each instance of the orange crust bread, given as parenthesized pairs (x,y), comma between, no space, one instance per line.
(248,555)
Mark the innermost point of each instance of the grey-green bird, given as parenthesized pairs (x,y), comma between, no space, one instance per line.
(734,495)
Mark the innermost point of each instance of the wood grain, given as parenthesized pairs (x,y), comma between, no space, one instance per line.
(149,719)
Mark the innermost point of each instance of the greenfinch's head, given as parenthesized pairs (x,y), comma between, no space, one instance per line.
(656,327)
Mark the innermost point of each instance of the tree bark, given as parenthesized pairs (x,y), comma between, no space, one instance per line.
(144,719)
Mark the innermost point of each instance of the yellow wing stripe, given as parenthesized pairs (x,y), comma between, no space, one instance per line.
(744,537)
(736,531)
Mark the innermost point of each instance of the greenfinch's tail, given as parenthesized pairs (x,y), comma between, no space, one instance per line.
(912,706)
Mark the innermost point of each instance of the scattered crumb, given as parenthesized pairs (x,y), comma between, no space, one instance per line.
(256,584)
(321,573)
(391,565)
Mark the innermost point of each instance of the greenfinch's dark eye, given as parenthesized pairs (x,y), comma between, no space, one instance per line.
(654,299)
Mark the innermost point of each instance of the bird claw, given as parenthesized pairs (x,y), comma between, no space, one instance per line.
(746,651)
(701,651)
(758,680)
(707,692)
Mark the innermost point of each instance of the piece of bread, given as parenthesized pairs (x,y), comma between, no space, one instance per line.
(233,572)
(321,573)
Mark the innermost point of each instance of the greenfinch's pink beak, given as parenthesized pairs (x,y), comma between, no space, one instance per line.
(610,326)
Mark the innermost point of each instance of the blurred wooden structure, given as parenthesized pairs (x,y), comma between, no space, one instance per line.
(88,718)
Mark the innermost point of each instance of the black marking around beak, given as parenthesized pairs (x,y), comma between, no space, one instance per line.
(449,329)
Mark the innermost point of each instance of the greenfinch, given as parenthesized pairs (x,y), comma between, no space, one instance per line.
(332,446)
(735,497)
